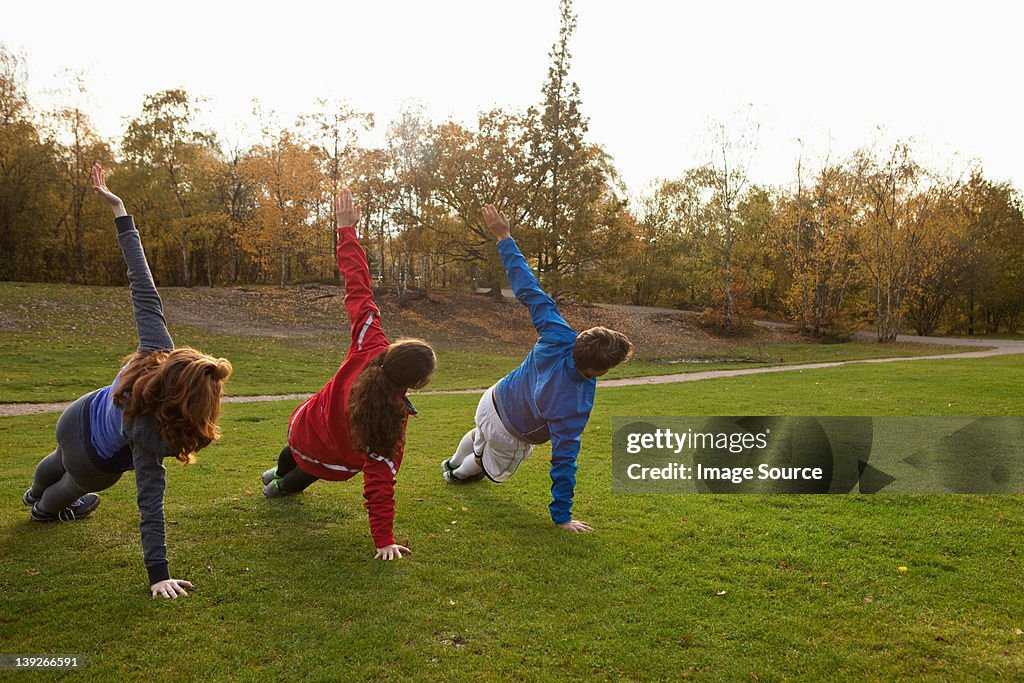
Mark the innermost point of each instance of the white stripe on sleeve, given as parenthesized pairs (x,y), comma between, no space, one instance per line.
(362,333)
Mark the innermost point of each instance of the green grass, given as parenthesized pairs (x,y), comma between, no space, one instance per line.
(494,592)
(764,355)
(1011,336)
(68,348)
(59,367)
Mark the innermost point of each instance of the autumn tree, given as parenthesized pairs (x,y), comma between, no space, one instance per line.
(720,238)
(285,175)
(991,297)
(815,236)
(407,144)
(76,147)
(234,199)
(376,187)
(575,193)
(333,130)
(756,213)
(948,247)
(473,167)
(168,153)
(727,176)
(27,178)
(649,267)
(896,211)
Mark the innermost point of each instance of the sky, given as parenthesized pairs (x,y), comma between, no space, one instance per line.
(818,79)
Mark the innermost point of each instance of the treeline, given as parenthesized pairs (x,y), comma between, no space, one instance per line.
(873,240)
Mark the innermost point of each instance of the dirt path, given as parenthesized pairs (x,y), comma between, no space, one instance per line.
(999,347)
(1011,348)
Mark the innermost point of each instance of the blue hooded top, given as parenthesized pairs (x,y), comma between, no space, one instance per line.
(547,397)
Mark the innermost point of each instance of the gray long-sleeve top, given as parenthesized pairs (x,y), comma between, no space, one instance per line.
(142,432)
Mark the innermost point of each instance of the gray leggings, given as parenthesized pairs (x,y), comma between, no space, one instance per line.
(65,475)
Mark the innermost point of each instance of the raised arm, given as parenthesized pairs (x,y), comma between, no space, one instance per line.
(543,310)
(363,314)
(146,304)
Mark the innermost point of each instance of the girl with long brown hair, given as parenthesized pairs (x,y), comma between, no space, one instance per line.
(356,423)
(163,403)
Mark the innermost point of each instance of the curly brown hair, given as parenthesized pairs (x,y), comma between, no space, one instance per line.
(376,411)
(181,389)
(600,349)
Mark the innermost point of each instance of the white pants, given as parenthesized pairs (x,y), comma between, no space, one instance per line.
(497,453)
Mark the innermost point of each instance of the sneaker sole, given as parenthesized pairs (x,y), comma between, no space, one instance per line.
(44,518)
(276,491)
(450,478)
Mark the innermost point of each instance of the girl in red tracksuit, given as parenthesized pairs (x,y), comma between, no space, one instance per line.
(356,423)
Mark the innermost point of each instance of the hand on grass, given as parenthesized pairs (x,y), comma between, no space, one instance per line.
(496,222)
(576,526)
(391,552)
(99,184)
(345,213)
(170,588)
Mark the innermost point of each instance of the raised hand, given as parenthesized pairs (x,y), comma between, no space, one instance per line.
(345,213)
(496,222)
(99,185)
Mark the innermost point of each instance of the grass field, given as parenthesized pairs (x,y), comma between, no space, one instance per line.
(667,588)
(36,370)
(58,342)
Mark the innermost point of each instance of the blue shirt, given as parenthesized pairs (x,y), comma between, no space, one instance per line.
(546,397)
(105,420)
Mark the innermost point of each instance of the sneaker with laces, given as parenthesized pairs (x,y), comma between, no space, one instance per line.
(28,499)
(80,509)
(273,489)
(449,476)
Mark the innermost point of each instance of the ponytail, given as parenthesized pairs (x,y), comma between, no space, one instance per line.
(376,410)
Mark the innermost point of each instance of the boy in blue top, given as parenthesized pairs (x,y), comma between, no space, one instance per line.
(548,397)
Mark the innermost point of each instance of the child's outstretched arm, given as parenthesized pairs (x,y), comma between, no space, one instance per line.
(379,491)
(363,314)
(150,479)
(146,304)
(543,310)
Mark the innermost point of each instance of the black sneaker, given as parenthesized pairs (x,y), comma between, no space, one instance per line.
(449,476)
(80,509)
(448,472)
(28,499)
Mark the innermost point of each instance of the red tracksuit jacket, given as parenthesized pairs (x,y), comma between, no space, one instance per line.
(318,429)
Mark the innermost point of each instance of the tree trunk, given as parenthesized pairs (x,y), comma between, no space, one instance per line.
(283,268)
(186,271)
